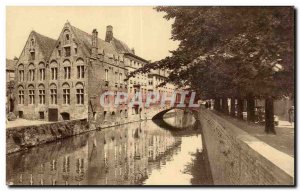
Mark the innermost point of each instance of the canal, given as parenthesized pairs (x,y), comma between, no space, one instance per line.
(141,153)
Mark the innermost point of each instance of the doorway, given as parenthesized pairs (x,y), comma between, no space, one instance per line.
(53,114)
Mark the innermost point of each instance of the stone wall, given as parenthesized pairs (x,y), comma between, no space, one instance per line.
(237,158)
(22,138)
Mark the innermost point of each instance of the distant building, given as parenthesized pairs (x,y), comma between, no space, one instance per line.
(10,76)
(155,78)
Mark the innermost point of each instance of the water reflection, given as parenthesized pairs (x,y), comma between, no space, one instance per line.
(136,153)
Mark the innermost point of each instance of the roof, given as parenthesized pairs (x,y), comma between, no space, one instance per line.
(45,43)
(120,46)
(10,64)
(86,40)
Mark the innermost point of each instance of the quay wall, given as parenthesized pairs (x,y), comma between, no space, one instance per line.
(237,158)
(24,137)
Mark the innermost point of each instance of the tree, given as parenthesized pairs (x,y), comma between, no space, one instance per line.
(229,52)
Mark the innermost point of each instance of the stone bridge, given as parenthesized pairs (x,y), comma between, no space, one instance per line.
(158,114)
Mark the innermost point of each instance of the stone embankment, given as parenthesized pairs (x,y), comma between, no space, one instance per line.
(22,138)
(237,158)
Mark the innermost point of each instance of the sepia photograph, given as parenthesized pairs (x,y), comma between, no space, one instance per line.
(150,95)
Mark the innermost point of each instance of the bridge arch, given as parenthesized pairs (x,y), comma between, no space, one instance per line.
(160,114)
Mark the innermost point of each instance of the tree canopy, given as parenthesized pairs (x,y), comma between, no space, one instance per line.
(230,51)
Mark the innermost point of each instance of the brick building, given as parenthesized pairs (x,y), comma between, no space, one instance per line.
(63,79)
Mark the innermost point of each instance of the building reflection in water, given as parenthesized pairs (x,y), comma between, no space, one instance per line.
(135,153)
(120,155)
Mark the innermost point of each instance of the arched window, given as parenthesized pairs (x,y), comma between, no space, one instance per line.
(21,95)
(41,94)
(79,93)
(67,69)
(66,93)
(41,71)
(53,94)
(31,72)
(31,94)
(80,69)
(54,70)
(21,72)
(32,42)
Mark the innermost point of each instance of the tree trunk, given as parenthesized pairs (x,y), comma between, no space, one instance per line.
(225,106)
(232,107)
(217,104)
(269,115)
(240,109)
(250,108)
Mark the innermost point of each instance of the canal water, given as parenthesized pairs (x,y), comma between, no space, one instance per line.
(141,153)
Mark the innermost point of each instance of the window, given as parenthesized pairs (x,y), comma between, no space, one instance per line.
(32,42)
(42,94)
(106,99)
(21,75)
(120,78)
(66,95)
(67,38)
(104,114)
(59,52)
(67,51)
(42,74)
(53,94)
(54,70)
(31,74)
(42,115)
(80,95)
(116,75)
(11,76)
(75,50)
(31,96)
(21,96)
(67,72)
(80,71)
(106,74)
(32,55)
(54,73)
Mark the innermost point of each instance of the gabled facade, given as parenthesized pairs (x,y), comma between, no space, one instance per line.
(63,79)
(30,77)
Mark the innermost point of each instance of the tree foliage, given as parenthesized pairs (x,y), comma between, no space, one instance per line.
(231,51)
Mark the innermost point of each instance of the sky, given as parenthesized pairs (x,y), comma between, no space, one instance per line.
(141,28)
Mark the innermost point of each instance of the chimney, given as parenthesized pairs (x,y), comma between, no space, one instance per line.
(109,33)
(94,42)
(133,51)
